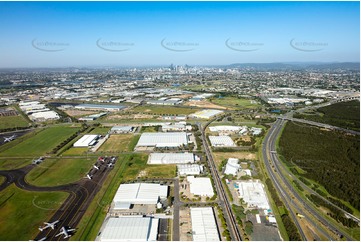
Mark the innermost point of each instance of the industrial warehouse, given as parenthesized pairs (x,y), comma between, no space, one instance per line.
(130,228)
(189,169)
(201,186)
(206,114)
(86,140)
(253,194)
(221,141)
(204,227)
(163,140)
(172,158)
(139,193)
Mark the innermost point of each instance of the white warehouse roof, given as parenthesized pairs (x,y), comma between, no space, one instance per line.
(130,228)
(139,193)
(171,139)
(204,226)
(86,140)
(45,115)
(253,194)
(232,167)
(171,158)
(189,169)
(201,186)
(221,141)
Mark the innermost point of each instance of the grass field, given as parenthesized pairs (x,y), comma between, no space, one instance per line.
(149,129)
(54,172)
(22,212)
(75,151)
(165,110)
(235,102)
(133,142)
(163,171)
(100,130)
(2,179)
(41,143)
(12,164)
(13,122)
(117,143)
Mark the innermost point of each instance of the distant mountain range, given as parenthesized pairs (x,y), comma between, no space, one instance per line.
(297,66)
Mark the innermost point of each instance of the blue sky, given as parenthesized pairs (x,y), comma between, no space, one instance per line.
(60,34)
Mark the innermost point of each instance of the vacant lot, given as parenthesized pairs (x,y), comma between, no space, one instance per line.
(332,159)
(54,172)
(159,171)
(22,212)
(117,143)
(203,104)
(235,102)
(13,122)
(78,113)
(75,151)
(100,130)
(164,110)
(41,143)
(345,115)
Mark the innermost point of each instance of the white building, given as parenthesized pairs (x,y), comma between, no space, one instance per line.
(171,139)
(172,158)
(86,141)
(139,193)
(121,129)
(176,127)
(189,169)
(256,131)
(232,167)
(204,227)
(130,228)
(222,141)
(47,115)
(201,186)
(253,194)
(206,114)
(223,128)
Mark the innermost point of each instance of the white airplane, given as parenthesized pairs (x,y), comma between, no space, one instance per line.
(65,232)
(113,159)
(8,139)
(89,176)
(96,167)
(110,165)
(49,225)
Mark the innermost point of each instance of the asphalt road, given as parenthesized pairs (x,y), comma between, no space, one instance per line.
(268,151)
(71,211)
(176,205)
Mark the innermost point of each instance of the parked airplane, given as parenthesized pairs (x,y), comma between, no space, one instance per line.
(65,232)
(8,139)
(96,167)
(110,165)
(49,225)
(300,215)
(89,176)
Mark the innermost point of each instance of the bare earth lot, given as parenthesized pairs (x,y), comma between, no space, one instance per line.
(203,104)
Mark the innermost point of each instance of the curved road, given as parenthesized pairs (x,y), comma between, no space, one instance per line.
(71,211)
(269,151)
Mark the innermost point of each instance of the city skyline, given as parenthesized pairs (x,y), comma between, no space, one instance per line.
(62,34)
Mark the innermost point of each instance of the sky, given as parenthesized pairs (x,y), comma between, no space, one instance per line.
(65,34)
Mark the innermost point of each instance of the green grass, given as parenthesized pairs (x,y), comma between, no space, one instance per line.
(149,129)
(164,110)
(133,142)
(54,172)
(117,143)
(163,171)
(22,212)
(13,122)
(12,164)
(234,102)
(2,179)
(75,151)
(100,130)
(41,143)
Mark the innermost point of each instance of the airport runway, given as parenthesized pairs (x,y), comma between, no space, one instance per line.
(72,210)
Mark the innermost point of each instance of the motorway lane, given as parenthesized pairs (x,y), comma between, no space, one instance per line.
(271,141)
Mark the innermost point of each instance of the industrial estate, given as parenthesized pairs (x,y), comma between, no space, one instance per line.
(178,156)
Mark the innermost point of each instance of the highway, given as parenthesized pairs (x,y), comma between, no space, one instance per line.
(285,188)
(222,197)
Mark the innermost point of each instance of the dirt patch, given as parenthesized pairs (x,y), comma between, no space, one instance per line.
(132,116)
(219,156)
(78,113)
(204,104)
